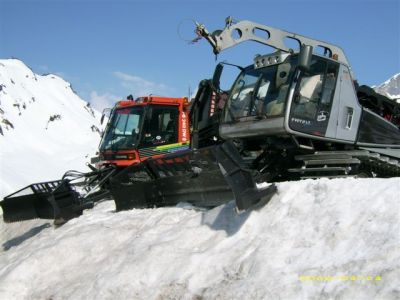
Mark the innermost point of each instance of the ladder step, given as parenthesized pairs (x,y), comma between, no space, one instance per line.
(324,169)
(328,176)
(314,162)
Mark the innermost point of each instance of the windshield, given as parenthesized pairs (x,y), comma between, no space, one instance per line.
(123,130)
(260,92)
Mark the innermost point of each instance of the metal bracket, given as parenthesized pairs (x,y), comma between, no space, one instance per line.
(240,179)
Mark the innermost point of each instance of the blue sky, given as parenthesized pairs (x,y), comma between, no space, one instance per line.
(109,49)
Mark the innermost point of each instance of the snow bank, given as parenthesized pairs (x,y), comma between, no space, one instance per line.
(319,239)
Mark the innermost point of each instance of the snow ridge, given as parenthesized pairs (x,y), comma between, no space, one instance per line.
(315,239)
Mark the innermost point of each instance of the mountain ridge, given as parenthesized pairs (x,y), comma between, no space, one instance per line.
(390,88)
(45,127)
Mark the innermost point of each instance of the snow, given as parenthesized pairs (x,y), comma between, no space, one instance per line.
(390,88)
(394,77)
(33,148)
(346,230)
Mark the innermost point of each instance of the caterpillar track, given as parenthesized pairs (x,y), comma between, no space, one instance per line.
(359,163)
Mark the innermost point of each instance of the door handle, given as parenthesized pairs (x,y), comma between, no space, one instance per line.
(349,118)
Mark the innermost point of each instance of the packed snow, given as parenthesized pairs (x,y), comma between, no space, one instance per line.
(315,239)
(45,128)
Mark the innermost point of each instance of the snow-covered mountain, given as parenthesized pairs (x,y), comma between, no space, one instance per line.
(45,127)
(315,239)
(390,88)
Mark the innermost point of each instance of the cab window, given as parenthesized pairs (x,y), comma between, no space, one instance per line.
(161,126)
(312,102)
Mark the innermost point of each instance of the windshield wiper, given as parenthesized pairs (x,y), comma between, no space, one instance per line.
(114,126)
(232,115)
(254,95)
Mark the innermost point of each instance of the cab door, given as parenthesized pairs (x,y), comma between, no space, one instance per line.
(310,111)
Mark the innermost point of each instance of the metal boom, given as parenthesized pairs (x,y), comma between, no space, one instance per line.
(235,33)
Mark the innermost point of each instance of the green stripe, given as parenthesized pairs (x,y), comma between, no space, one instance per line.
(171,146)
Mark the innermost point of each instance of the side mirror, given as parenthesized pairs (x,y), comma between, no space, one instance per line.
(105,111)
(217,75)
(305,57)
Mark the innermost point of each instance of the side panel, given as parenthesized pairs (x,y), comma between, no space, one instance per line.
(376,130)
(253,128)
(349,111)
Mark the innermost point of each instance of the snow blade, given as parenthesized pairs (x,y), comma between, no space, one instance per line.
(47,200)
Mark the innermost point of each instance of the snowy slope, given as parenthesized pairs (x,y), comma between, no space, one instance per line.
(45,128)
(390,88)
(321,239)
